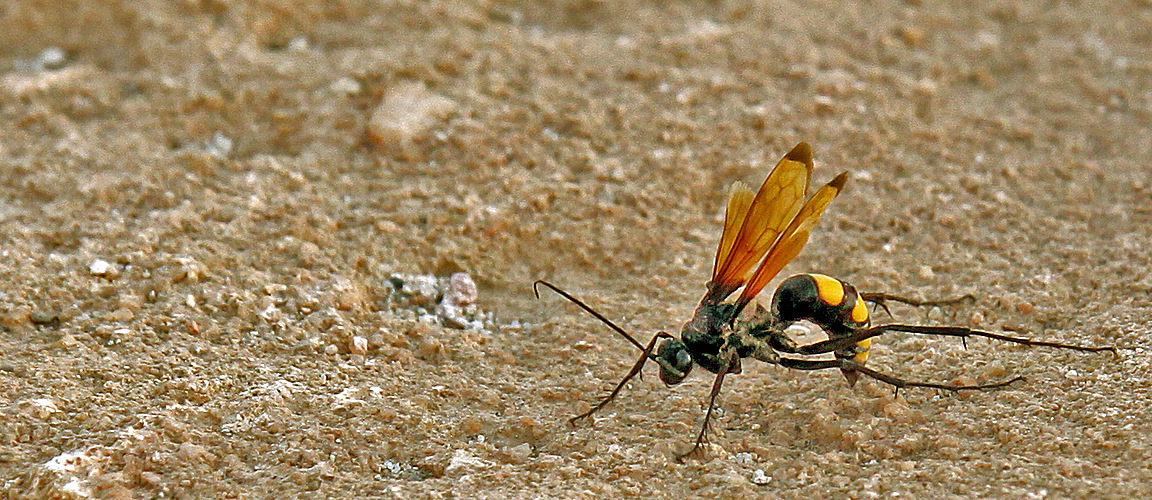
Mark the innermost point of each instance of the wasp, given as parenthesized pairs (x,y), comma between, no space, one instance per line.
(763,231)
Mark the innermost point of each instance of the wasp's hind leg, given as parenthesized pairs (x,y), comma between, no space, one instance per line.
(881,300)
(964,333)
(850,365)
(944,331)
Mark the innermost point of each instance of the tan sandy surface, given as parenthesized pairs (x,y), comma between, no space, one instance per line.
(214,216)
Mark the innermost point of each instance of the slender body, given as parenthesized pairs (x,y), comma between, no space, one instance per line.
(763,231)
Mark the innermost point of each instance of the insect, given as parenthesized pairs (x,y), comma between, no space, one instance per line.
(763,231)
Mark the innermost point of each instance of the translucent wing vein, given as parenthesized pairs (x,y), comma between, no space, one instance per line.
(753,223)
(791,240)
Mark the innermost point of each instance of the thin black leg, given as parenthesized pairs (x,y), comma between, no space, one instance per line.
(947,331)
(636,368)
(881,298)
(702,437)
(897,382)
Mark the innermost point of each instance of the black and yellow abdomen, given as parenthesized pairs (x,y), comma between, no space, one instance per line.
(833,305)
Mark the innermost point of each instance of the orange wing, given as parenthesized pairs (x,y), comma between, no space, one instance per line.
(753,223)
(738,202)
(791,240)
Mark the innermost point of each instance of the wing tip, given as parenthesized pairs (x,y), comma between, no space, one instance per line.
(839,181)
(801,153)
(736,187)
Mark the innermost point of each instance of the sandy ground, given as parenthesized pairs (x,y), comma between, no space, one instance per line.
(219,220)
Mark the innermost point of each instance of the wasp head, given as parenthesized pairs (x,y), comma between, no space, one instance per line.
(676,362)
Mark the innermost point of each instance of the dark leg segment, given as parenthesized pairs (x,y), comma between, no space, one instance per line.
(702,437)
(631,373)
(947,331)
(897,382)
(882,299)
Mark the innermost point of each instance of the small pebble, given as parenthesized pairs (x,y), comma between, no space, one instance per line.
(40,408)
(100,267)
(346,85)
(461,290)
(758,477)
(359,345)
(463,460)
(219,146)
(407,112)
(521,451)
(52,58)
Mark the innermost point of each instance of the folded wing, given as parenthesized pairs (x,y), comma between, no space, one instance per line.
(791,240)
(752,223)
